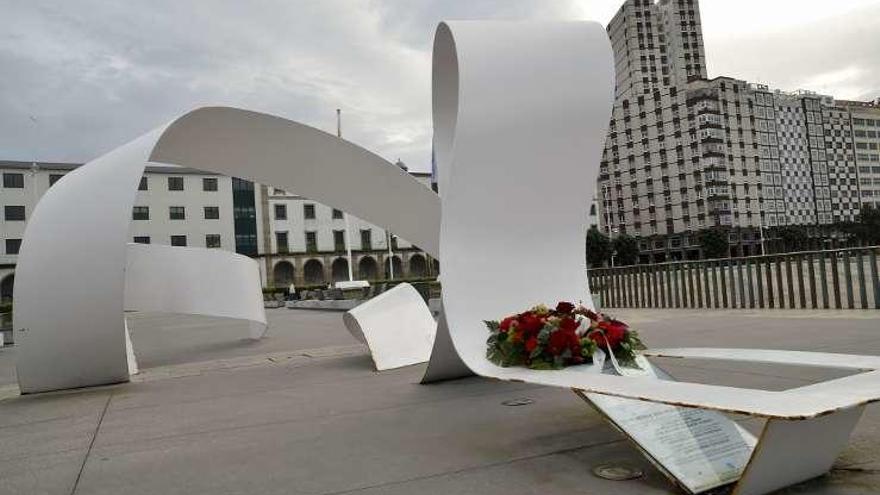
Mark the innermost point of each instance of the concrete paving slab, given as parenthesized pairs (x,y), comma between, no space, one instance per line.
(290,416)
(346,451)
(50,474)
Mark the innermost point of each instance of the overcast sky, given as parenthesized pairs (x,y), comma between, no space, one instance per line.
(78,78)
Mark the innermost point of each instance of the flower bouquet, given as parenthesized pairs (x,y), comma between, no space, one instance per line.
(549,339)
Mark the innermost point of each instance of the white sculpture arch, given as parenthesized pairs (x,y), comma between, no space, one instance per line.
(77,234)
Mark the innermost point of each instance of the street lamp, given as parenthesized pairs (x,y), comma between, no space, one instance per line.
(390,257)
(344,214)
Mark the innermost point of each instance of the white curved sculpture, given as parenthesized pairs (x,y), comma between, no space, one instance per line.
(195,281)
(396,326)
(520,117)
(76,236)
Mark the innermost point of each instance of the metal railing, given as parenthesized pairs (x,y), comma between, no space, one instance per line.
(833,279)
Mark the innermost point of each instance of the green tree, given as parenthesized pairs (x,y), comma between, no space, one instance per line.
(794,237)
(866,228)
(598,248)
(626,250)
(714,243)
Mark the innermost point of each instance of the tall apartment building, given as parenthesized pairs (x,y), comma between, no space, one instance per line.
(686,153)
(656,45)
(294,240)
(865,124)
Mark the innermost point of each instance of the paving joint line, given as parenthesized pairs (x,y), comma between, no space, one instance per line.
(91,444)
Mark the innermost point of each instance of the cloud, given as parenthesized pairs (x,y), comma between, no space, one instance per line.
(836,55)
(97,73)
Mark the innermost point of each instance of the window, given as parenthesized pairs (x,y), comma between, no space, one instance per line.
(142,239)
(337,214)
(140,213)
(15,181)
(12,246)
(339,240)
(175,183)
(311,242)
(53,178)
(143,186)
(178,240)
(14,213)
(281,242)
(177,213)
(309,212)
(366,240)
(212,240)
(212,212)
(280,212)
(209,184)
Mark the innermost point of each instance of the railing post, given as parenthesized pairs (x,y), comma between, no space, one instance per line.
(732,278)
(835,277)
(823,278)
(863,290)
(690,276)
(875,280)
(770,292)
(707,267)
(675,284)
(847,272)
(812,271)
(760,279)
(789,282)
(742,289)
(780,294)
(723,283)
(800,278)
(701,267)
(749,264)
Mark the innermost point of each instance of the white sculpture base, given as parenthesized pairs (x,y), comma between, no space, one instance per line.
(699,449)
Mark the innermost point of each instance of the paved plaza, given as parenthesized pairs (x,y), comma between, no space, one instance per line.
(302,412)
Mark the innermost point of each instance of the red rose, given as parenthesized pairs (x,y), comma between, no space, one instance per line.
(531,344)
(505,323)
(614,333)
(557,343)
(530,324)
(568,324)
(564,307)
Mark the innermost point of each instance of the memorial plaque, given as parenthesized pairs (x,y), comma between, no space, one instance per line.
(698,449)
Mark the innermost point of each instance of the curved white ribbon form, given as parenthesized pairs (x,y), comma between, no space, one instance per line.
(520,118)
(70,278)
(196,281)
(396,325)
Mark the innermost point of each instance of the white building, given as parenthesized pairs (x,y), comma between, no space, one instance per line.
(686,153)
(295,240)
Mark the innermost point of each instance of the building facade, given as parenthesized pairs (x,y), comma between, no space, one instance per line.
(686,153)
(295,240)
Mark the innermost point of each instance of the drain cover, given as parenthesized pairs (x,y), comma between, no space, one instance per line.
(522,401)
(617,472)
